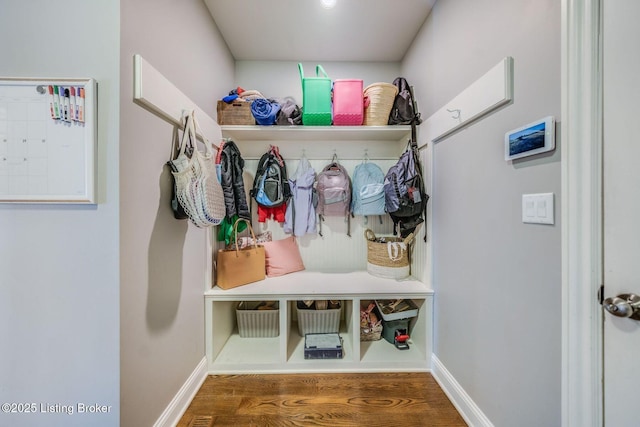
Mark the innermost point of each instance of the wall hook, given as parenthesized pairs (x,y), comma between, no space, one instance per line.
(455,116)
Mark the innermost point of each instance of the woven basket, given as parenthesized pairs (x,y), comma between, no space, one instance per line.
(379,98)
(388,259)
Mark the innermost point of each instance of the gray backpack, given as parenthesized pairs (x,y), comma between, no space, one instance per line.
(404,192)
(333,187)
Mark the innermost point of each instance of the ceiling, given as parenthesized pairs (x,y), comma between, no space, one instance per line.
(303,30)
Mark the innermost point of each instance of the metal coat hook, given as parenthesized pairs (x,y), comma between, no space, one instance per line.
(366,154)
(455,116)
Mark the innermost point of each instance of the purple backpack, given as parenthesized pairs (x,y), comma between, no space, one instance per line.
(333,187)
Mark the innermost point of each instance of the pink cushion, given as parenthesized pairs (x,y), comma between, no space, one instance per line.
(282,257)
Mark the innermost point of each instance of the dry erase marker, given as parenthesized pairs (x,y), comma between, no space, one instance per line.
(81,116)
(53,114)
(66,105)
(76,107)
(56,101)
(72,103)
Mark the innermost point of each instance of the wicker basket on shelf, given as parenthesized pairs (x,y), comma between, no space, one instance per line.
(388,257)
(379,98)
(235,113)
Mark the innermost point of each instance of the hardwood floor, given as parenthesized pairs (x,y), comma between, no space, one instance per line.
(370,400)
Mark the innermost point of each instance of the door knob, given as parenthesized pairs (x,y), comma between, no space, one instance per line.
(624,305)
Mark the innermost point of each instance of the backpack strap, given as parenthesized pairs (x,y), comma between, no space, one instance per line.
(275,151)
(416,160)
(286,189)
(414,138)
(416,116)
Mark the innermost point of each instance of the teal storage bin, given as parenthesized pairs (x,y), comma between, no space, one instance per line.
(389,328)
(316,98)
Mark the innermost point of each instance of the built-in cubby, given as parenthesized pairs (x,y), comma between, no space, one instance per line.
(227,352)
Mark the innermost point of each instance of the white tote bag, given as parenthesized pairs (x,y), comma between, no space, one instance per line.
(197,187)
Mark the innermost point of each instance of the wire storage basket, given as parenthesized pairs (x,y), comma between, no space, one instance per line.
(379,98)
(388,257)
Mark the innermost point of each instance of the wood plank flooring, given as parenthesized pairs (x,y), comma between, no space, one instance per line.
(363,399)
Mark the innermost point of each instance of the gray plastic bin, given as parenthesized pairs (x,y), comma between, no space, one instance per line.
(311,321)
(255,323)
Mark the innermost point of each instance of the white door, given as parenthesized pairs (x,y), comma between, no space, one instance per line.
(621,38)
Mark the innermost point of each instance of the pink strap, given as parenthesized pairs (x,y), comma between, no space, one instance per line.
(219,154)
(276,152)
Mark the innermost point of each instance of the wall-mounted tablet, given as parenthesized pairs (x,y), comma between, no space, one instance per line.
(535,138)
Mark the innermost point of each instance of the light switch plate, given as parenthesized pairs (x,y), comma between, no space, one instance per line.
(538,208)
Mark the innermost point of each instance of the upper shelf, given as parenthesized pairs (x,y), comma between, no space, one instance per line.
(319,142)
(317,133)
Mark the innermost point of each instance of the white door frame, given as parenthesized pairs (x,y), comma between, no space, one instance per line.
(581,202)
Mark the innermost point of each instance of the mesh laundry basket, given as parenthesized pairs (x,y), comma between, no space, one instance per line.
(348,103)
(316,98)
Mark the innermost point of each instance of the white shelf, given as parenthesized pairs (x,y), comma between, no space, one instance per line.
(316,133)
(319,142)
(240,350)
(318,285)
(382,352)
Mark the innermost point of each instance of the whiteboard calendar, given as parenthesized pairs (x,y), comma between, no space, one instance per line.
(47,140)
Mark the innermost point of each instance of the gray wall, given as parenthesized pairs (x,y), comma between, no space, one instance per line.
(163,261)
(497,280)
(59,265)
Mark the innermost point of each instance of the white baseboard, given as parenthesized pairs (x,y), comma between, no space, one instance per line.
(180,402)
(460,399)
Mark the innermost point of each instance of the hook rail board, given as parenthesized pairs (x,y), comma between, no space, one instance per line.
(487,94)
(47,140)
(157,94)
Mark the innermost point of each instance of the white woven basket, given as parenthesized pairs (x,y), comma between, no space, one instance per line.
(389,260)
(379,98)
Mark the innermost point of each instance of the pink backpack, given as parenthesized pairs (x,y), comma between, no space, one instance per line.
(334,193)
